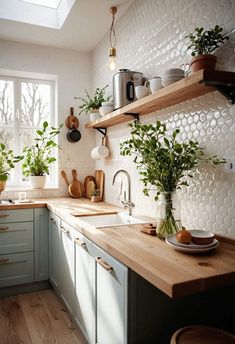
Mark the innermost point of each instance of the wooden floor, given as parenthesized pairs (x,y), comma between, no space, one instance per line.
(36,318)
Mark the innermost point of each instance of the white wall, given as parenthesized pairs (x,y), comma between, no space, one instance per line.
(73,71)
(150,39)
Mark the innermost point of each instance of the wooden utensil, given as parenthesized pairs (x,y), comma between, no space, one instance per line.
(75,188)
(89,186)
(71,121)
(99,181)
(63,174)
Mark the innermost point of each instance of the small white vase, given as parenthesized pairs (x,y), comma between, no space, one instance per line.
(94,115)
(38,182)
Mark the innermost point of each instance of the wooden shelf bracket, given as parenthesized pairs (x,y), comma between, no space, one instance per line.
(103,131)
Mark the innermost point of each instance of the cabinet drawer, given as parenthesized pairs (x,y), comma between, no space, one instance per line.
(16,237)
(18,215)
(16,269)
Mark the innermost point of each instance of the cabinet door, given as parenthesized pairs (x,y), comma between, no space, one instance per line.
(67,265)
(41,243)
(84,311)
(111,299)
(54,251)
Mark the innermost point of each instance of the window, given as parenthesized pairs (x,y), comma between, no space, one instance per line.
(24,105)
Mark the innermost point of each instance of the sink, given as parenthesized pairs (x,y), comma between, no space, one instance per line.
(112,220)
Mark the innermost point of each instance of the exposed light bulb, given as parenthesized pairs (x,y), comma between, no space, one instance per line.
(112,59)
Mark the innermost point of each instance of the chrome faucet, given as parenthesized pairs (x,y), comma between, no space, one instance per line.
(126,202)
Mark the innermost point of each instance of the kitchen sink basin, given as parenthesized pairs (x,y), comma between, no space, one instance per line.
(112,220)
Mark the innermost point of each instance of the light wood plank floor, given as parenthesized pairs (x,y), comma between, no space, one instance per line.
(36,318)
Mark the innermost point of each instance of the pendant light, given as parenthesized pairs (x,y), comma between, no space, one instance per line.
(112,40)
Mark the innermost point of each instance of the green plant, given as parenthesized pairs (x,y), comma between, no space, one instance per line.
(205,42)
(37,157)
(96,192)
(7,161)
(163,162)
(91,103)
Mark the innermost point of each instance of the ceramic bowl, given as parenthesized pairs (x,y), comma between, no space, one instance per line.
(173,71)
(201,237)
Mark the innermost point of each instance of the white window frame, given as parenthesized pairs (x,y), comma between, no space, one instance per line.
(17,181)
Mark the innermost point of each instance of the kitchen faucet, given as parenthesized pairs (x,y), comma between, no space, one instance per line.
(127,203)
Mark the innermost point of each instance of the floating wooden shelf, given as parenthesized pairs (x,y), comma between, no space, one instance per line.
(198,84)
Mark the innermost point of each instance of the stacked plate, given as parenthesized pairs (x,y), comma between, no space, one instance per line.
(191,247)
(172,75)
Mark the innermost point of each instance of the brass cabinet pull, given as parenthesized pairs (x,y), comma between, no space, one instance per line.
(104,264)
(4,215)
(5,261)
(79,242)
(64,230)
(52,220)
(4,228)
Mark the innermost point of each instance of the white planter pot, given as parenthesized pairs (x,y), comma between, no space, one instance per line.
(38,182)
(94,115)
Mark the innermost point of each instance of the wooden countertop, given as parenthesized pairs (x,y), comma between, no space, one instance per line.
(175,273)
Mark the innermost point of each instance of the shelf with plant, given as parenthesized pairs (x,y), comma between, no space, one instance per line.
(164,162)
(203,43)
(7,163)
(38,157)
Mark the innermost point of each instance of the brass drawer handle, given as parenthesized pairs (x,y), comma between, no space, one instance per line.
(4,228)
(104,264)
(64,230)
(79,242)
(4,261)
(52,220)
(4,215)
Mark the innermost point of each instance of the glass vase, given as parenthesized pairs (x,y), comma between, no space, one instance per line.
(168,214)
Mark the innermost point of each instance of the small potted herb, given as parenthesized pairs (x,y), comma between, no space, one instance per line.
(7,163)
(38,157)
(91,104)
(163,162)
(203,43)
(95,197)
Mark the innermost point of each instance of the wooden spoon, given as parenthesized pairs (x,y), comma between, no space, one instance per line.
(75,188)
(63,174)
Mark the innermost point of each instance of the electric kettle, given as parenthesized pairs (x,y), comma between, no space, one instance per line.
(124,83)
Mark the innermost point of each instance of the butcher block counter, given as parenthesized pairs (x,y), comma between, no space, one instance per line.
(174,273)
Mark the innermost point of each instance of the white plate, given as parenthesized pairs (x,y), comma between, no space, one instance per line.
(25,201)
(189,249)
(172,239)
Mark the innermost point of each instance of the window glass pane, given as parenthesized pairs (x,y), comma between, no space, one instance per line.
(35,104)
(6,103)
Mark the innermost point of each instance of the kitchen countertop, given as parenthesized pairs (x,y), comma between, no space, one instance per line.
(175,273)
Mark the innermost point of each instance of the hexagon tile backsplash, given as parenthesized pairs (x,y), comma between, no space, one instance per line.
(150,39)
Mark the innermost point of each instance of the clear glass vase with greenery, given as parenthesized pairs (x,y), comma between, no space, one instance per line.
(38,157)
(164,162)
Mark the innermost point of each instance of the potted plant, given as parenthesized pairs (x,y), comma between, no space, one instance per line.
(203,43)
(163,162)
(7,161)
(95,197)
(38,157)
(91,104)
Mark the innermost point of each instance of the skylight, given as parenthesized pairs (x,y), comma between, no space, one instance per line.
(47,3)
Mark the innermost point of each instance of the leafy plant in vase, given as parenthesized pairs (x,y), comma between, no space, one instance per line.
(7,163)
(38,157)
(91,104)
(163,162)
(203,43)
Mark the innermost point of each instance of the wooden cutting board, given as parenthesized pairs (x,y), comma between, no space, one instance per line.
(94,213)
(71,121)
(76,187)
(99,181)
(89,184)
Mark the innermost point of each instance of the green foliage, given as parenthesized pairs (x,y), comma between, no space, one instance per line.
(37,157)
(91,103)
(96,192)
(205,42)
(7,161)
(162,160)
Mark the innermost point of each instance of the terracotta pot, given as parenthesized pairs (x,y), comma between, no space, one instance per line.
(206,62)
(95,199)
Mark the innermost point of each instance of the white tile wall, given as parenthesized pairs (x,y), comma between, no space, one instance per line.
(150,39)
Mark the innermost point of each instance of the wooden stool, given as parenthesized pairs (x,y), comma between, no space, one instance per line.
(202,335)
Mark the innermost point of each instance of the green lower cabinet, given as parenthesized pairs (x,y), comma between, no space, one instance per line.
(41,235)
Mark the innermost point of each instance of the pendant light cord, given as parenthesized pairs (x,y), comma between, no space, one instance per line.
(112,33)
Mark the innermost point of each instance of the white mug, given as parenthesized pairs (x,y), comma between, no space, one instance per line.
(141,91)
(100,152)
(154,84)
